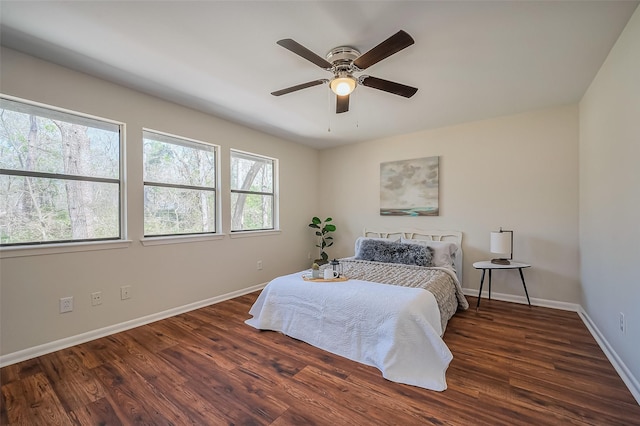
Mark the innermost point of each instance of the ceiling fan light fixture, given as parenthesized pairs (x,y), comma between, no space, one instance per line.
(343,86)
(343,61)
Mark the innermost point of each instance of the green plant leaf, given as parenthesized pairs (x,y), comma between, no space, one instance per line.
(323,228)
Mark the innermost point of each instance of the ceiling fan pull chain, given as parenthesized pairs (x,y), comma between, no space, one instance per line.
(329,111)
(355,102)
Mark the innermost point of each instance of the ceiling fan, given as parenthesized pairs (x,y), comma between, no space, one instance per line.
(344,61)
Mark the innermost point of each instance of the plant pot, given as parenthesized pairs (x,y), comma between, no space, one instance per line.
(320,262)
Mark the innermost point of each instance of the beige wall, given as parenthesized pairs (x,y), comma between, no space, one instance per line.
(519,172)
(162,277)
(610,197)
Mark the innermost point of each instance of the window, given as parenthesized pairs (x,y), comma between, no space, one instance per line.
(179,185)
(59,175)
(252,192)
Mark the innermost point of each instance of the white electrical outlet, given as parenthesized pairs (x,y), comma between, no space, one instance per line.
(66,304)
(259,265)
(125,292)
(623,325)
(96,298)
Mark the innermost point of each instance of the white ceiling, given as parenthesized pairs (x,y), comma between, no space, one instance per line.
(470,61)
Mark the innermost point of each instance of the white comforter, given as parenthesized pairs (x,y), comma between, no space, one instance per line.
(396,329)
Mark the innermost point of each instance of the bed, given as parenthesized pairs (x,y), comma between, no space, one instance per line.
(391,313)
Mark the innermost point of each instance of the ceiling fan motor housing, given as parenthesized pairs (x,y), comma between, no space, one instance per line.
(342,58)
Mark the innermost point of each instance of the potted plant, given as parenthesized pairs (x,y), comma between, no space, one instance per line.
(323,228)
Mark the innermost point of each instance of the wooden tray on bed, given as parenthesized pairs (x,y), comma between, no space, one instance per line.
(322,280)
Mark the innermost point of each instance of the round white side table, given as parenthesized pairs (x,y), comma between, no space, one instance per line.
(486,265)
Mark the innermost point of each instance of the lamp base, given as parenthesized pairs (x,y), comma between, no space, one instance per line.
(501,261)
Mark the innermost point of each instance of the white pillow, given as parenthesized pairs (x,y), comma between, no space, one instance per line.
(443,251)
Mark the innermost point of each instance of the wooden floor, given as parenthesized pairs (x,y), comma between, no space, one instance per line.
(512,365)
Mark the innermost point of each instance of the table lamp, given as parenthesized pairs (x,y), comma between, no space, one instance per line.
(502,244)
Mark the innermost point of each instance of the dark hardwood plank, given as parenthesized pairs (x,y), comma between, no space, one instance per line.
(15,406)
(44,406)
(513,364)
(133,397)
(20,370)
(99,412)
(74,384)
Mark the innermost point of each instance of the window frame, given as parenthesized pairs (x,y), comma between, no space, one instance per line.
(60,245)
(275,195)
(156,239)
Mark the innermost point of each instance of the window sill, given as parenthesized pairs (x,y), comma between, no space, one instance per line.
(21,251)
(248,234)
(180,239)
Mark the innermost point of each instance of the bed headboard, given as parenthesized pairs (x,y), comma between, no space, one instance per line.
(420,234)
(416,234)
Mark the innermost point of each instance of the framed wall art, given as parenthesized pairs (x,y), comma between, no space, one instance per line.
(409,187)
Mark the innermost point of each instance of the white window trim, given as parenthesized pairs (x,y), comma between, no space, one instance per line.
(177,239)
(58,248)
(257,233)
(29,249)
(276,199)
(180,239)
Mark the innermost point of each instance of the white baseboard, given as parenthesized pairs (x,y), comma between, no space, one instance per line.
(624,373)
(67,342)
(564,306)
(620,367)
(23,355)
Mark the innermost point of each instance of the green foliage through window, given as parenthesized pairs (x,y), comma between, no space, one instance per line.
(252,192)
(59,175)
(179,185)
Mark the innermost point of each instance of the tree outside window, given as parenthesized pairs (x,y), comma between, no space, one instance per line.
(59,175)
(252,192)
(179,185)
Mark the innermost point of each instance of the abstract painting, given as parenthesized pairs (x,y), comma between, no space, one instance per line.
(409,187)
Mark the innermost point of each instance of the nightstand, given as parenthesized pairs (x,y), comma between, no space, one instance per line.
(487,265)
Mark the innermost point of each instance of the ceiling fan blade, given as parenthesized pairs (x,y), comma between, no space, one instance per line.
(389,86)
(393,44)
(300,50)
(298,87)
(342,104)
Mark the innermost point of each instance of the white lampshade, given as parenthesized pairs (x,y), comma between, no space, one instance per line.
(501,243)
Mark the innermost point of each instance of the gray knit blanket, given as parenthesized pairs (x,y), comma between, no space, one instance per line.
(441,282)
